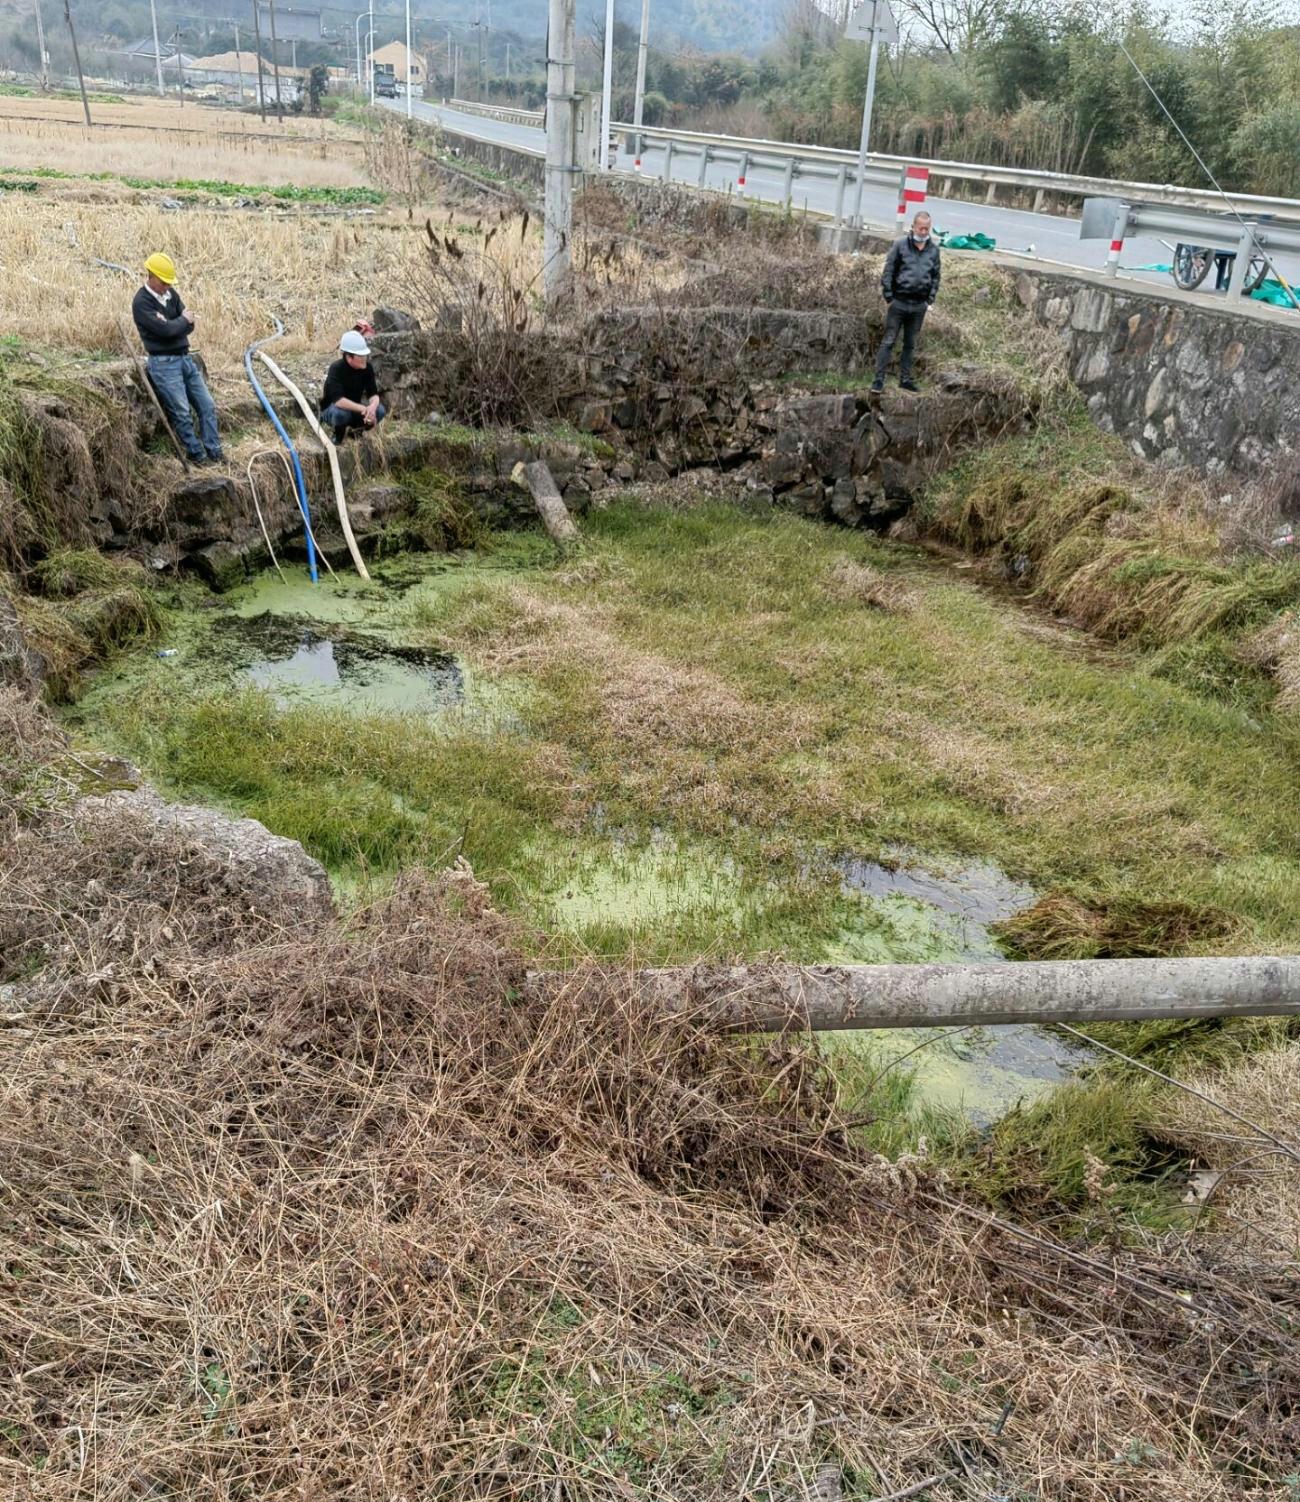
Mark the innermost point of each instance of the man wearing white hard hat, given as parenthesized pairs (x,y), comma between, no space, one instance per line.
(351,396)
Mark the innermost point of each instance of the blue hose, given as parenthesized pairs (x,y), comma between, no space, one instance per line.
(299,483)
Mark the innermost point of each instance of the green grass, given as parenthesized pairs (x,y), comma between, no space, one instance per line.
(1065,504)
(698,712)
(287,192)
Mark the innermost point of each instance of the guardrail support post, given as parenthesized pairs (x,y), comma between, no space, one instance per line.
(704,164)
(1241,264)
(992,195)
(787,186)
(840,182)
(668,159)
(1040,195)
(744,170)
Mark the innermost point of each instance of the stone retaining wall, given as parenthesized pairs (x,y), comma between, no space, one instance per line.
(1186,382)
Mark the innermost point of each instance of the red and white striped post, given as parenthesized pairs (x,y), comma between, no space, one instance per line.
(1117,240)
(912,188)
(744,168)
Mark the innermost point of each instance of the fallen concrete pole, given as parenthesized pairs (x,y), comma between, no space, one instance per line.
(537,479)
(769,998)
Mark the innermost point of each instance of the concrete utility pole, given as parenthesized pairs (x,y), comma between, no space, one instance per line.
(370,51)
(409,80)
(507,62)
(607,86)
(356,29)
(45,56)
(239,66)
(768,998)
(76,58)
(642,49)
(157,55)
(257,37)
(275,63)
(455,73)
(561,75)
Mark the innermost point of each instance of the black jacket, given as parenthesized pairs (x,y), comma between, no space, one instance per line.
(911,274)
(162,329)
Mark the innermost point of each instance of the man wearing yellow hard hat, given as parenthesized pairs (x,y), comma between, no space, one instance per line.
(164,324)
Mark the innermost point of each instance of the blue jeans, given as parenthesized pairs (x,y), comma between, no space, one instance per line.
(180,385)
(339,417)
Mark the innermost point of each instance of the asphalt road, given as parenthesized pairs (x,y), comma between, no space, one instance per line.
(1052,236)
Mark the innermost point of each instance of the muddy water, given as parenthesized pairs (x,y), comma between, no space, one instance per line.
(349,645)
(952,906)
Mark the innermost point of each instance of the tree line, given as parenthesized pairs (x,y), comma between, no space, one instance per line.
(1015,83)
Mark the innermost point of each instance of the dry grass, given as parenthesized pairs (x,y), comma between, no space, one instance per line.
(1250,1189)
(864,584)
(237,270)
(1276,649)
(346,1218)
(169,116)
(161,140)
(1061,927)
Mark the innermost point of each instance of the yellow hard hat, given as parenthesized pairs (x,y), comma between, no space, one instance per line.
(163,267)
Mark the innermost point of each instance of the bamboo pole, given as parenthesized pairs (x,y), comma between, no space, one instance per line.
(332,454)
(769,998)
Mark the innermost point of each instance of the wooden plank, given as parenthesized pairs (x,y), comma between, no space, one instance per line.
(769,998)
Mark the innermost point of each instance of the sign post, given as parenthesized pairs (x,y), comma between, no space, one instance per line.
(873,22)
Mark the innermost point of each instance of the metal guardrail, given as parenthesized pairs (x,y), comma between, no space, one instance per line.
(502,112)
(1247,236)
(991,179)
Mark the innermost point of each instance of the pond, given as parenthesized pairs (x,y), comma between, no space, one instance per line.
(351,649)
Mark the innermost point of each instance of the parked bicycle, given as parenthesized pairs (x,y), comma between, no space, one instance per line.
(1192,265)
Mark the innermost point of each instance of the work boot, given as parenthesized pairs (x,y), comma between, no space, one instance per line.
(877,385)
(339,435)
(908,384)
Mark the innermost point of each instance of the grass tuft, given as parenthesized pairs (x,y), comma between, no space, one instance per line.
(1061,927)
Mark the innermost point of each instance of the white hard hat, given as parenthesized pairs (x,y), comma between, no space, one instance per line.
(353,344)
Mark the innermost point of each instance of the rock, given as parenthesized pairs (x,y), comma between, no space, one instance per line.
(20,664)
(394,321)
(844,503)
(595,417)
(981,295)
(223,565)
(838,411)
(265,867)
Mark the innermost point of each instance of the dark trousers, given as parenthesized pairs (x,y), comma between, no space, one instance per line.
(908,316)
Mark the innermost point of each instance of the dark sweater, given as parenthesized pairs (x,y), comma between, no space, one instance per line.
(911,272)
(341,380)
(162,329)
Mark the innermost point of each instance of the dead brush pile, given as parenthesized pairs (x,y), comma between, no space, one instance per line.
(351,1214)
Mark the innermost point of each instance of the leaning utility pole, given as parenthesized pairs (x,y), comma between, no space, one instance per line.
(643,47)
(275,63)
(76,58)
(40,46)
(177,37)
(257,38)
(557,250)
(157,55)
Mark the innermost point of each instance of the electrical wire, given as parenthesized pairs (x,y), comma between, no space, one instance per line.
(1200,162)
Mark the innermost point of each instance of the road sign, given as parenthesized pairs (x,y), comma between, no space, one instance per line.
(859,27)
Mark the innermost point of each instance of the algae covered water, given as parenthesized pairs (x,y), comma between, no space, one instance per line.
(339,716)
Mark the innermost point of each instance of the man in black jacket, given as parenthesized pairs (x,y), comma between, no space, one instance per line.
(164,326)
(350,400)
(909,284)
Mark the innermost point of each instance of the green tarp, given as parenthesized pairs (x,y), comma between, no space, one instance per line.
(1274,292)
(966,242)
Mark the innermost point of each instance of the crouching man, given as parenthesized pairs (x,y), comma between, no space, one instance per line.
(164,324)
(351,396)
(909,283)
